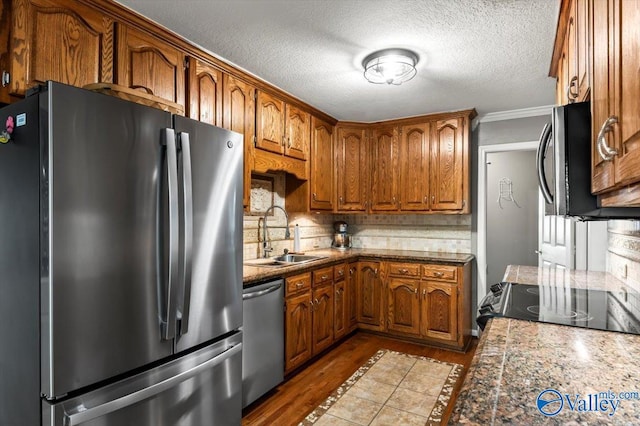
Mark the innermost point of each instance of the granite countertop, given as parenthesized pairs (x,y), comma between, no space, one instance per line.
(517,360)
(252,274)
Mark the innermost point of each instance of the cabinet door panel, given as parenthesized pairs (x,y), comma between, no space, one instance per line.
(627,162)
(150,64)
(440,311)
(205,92)
(369,294)
(297,330)
(340,310)
(404,306)
(322,165)
(353,172)
(447,165)
(322,318)
(298,132)
(384,166)
(270,123)
(602,92)
(239,116)
(414,167)
(71,45)
(352,282)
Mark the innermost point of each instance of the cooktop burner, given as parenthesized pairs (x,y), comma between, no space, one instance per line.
(598,309)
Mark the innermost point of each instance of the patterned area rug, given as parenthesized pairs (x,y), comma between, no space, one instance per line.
(391,388)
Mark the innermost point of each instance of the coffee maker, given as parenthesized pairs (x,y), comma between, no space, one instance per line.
(341,239)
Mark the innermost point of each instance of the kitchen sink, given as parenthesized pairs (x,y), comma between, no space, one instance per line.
(283,260)
(296,258)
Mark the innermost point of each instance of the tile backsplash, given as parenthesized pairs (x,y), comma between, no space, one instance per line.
(440,233)
(623,256)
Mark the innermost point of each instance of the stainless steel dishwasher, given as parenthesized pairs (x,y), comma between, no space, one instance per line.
(263,339)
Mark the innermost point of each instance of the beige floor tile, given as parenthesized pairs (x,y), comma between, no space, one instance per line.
(388,374)
(371,390)
(329,420)
(397,360)
(413,402)
(391,416)
(422,384)
(356,410)
(432,369)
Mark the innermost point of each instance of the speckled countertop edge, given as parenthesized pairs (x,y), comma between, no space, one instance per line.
(482,397)
(254,274)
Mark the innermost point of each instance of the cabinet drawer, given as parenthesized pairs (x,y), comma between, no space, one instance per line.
(339,272)
(440,272)
(298,283)
(323,275)
(404,269)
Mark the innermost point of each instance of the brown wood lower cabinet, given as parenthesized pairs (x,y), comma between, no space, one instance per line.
(351,283)
(440,311)
(430,302)
(404,306)
(369,296)
(322,314)
(426,302)
(298,330)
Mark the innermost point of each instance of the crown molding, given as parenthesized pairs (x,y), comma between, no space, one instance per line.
(511,115)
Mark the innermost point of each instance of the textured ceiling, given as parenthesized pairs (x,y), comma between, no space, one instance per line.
(492,55)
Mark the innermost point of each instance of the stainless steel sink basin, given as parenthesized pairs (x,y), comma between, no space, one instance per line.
(283,260)
(295,258)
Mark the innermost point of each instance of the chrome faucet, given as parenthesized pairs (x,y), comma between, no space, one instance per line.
(266,247)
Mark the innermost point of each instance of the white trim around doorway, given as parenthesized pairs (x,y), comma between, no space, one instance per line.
(483,150)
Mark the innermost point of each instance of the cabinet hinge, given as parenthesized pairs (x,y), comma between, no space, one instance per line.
(186,63)
(255,141)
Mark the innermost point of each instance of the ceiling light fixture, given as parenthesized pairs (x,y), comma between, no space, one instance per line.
(390,66)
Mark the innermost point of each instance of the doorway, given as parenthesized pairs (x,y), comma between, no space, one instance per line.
(507,210)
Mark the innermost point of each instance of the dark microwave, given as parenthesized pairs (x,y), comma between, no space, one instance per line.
(564,167)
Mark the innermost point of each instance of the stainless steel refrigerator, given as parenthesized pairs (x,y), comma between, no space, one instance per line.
(120,265)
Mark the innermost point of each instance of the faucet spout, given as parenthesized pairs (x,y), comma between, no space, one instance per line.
(266,246)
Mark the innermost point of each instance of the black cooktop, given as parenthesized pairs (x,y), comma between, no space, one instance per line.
(597,309)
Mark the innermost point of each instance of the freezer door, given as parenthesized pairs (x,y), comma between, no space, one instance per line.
(201,388)
(211,231)
(103,227)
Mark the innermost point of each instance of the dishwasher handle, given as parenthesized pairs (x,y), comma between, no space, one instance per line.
(247,296)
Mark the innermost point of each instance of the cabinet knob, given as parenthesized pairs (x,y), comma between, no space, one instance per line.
(324,278)
(403,271)
(606,152)
(438,274)
(340,272)
(299,284)
(314,196)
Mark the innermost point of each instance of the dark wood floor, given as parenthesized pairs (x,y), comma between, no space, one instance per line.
(290,402)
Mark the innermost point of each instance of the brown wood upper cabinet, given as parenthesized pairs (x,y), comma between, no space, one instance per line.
(239,115)
(205,92)
(352,169)
(449,180)
(414,167)
(384,166)
(572,69)
(282,128)
(59,40)
(615,111)
(322,166)
(150,64)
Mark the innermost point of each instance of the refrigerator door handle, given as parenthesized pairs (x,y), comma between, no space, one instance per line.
(169,310)
(92,413)
(188,230)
